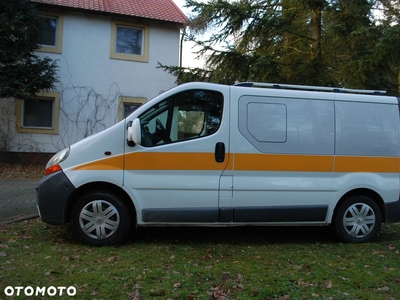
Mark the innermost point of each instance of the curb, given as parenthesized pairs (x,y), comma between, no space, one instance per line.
(17,219)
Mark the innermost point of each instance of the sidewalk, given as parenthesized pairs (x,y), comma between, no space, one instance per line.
(17,199)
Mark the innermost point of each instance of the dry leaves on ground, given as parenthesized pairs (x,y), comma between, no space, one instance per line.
(16,171)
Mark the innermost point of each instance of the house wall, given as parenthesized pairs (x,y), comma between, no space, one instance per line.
(91,83)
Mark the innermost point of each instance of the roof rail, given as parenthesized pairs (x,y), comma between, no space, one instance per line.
(309,88)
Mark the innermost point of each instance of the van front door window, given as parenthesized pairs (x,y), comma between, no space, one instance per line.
(187,115)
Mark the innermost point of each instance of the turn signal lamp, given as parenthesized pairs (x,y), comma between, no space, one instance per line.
(53,164)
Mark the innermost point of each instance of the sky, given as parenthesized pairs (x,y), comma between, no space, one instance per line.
(188,57)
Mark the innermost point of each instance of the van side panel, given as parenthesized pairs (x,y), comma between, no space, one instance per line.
(283,160)
(367,148)
(297,154)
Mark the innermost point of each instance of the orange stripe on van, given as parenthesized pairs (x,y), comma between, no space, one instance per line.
(367,164)
(187,161)
(174,161)
(283,162)
(109,163)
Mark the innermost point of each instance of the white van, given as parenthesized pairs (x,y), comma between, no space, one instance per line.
(204,154)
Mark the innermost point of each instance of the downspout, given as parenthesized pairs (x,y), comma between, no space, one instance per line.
(183,32)
(181,47)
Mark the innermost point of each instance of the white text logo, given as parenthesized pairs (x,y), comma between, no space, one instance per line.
(40,291)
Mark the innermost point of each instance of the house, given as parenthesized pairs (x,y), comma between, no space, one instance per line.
(107,52)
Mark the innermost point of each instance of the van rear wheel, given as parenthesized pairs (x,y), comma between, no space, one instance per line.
(358,220)
(100,219)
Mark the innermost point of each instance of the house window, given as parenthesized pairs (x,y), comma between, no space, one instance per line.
(48,35)
(50,38)
(129,42)
(38,114)
(128,104)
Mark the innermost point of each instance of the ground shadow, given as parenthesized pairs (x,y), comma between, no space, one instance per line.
(249,235)
(234,235)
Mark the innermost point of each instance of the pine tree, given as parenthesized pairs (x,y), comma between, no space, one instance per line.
(22,72)
(312,42)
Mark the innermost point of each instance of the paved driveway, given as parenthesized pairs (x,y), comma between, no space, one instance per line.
(17,199)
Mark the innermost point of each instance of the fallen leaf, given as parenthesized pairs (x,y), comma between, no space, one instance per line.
(344,278)
(328,284)
(304,284)
(134,295)
(239,286)
(315,295)
(177,285)
(383,289)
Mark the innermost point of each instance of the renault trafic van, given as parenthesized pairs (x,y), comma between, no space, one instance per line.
(250,154)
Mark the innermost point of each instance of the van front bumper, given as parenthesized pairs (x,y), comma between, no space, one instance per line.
(53,193)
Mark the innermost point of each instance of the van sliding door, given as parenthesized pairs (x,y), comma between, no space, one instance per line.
(284,160)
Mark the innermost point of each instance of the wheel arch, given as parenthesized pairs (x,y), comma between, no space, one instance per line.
(364,192)
(100,186)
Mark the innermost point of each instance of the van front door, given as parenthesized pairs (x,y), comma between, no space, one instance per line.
(174,173)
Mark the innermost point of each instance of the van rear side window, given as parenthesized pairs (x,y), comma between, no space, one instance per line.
(267,122)
(367,129)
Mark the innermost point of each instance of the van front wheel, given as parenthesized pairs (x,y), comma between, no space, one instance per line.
(100,219)
(358,220)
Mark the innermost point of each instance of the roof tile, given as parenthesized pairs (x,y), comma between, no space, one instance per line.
(165,10)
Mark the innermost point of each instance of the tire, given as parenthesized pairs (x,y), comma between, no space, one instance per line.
(358,220)
(100,219)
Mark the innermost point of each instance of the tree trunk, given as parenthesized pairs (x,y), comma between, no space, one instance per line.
(287,37)
(316,22)
(316,68)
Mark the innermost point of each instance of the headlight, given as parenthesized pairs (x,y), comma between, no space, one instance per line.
(53,164)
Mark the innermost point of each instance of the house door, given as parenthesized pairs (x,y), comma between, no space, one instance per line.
(174,173)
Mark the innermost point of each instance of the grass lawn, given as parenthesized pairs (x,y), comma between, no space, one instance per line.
(203,263)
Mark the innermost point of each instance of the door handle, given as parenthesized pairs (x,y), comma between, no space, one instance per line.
(220,152)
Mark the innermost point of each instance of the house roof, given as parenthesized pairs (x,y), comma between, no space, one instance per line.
(164,10)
